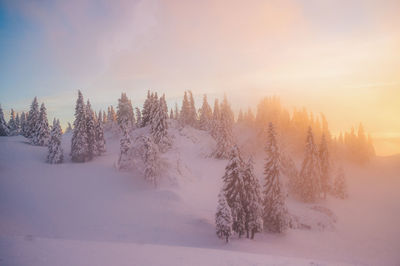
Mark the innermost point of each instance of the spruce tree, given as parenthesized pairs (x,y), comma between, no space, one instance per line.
(339,186)
(233,190)
(33,118)
(79,142)
(240,117)
(224,135)
(100,141)
(216,117)
(151,160)
(274,209)
(125,112)
(23,124)
(55,154)
(124,160)
(205,115)
(159,126)
(223,218)
(17,125)
(310,174)
(146,110)
(3,124)
(171,114)
(176,112)
(41,133)
(325,166)
(185,111)
(90,131)
(252,201)
(69,128)
(192,116)
(12,124)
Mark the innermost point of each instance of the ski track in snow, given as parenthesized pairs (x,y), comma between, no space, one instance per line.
(91,214)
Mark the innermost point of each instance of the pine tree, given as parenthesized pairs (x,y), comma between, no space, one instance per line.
(223,218)
(224,133)
(192,119)
(41,133)
(33,118)
(310,174)
(215,120)
(3,124)
(124,160)
(205,115)
(151,160)
(79,142)
(146,110)
(275,213)
(233,190)
(253,201)
(176,112)
(17,125)
(23,124)
(100,141)
(12,124)
(339,186)
(90,131)
(159,126)
(185,111)
(55,154)
(325,166)
(125,112)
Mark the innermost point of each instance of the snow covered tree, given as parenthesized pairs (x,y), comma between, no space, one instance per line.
(224,134)
(223,218)
(79,142)
(12,124)
(23,124)
(90,131)
(339,186)
(41,133)
(159,126)
(176,112)
(124,160)
(310,174)
(171,114)
(33,118)
(205,115)
(18,124)
(125,112)
(3,124)
(275,214)
(233,190)
(55,154)
(192,119)
(240,116)
(100,141)
(151,160)
(146,110)
(216,117)
(252,201)
(138,117)
(325,165)
(185,111)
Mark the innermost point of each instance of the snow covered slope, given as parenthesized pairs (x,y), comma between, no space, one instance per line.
(91,214)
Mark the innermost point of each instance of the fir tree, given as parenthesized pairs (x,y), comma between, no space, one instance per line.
(233,190)
(240,117)
(23,124)
(17,124)
(100,141)
(176,112)
(90,131)
(41,133)
(79,142)
(339,186)
(275,212)
(33,118)
(125,112)
(185,111)
(192,115)
(325,167)
(159,126)
(252,201)
(205,115)
(146,110)
(124,160)
(223,218)
(224,133)
(12,124)
(171,114)
(215,120)
(55,154)
(151,160)
(3,124)
(310,174)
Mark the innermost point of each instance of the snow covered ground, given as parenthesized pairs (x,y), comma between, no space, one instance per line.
(91,214)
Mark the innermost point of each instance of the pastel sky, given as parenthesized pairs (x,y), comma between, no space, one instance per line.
(338,57)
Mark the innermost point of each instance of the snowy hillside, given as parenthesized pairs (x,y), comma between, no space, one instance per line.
(92,214)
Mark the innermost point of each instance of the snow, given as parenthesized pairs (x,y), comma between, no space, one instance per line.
(92,214)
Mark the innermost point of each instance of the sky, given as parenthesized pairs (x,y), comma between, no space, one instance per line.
(341,58)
